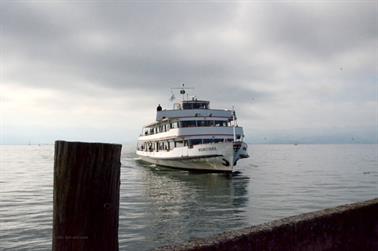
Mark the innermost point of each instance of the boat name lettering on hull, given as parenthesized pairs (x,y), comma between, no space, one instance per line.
(213,148)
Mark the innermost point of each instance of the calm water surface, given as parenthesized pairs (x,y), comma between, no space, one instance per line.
(161,206)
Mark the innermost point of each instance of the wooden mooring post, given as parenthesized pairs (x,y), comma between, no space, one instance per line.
(86,196)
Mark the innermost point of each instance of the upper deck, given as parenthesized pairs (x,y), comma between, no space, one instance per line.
(193,104)
(193,108)
(174,114)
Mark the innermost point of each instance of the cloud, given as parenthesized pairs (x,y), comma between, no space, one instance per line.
(280,64)
(317,29)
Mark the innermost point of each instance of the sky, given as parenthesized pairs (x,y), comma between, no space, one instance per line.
(296,72)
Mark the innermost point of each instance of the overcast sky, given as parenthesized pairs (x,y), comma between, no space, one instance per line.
(295,72)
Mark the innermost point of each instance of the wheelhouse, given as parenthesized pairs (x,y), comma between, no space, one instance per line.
(194,104)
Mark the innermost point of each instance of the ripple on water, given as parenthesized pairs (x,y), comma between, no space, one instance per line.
(160,206)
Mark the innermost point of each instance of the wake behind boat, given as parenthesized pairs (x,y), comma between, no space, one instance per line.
(194,137)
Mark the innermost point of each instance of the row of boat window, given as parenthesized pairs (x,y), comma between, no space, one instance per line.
(183,124)
(195,105)
(168,145)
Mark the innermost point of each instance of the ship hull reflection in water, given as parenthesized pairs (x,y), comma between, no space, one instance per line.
(179,205)
(160,207)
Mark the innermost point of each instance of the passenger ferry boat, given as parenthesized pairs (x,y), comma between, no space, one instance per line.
(193,136)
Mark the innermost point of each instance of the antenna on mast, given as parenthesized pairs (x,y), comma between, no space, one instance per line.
(183,90)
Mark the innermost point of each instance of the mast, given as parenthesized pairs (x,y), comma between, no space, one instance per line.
(234,122)
(183,90)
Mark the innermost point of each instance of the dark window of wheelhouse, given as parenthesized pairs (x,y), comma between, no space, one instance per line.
(187,106)
(203,106)
(197,105)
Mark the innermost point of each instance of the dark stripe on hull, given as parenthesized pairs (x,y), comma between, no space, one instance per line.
(189,169)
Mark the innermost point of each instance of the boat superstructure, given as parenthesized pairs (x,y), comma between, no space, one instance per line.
(193,136)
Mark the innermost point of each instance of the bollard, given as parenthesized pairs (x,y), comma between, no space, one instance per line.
(86,196)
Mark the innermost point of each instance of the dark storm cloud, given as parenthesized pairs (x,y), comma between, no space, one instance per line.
(22,23)
(317,29)
(155,46)
(161,20)
(53,46)
(141,49)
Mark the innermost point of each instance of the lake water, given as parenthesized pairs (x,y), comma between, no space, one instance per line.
(161,206)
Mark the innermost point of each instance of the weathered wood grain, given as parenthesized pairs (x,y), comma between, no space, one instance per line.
(86,196)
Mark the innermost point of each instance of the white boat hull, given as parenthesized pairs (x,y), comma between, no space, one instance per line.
(207,157)
(214,164)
